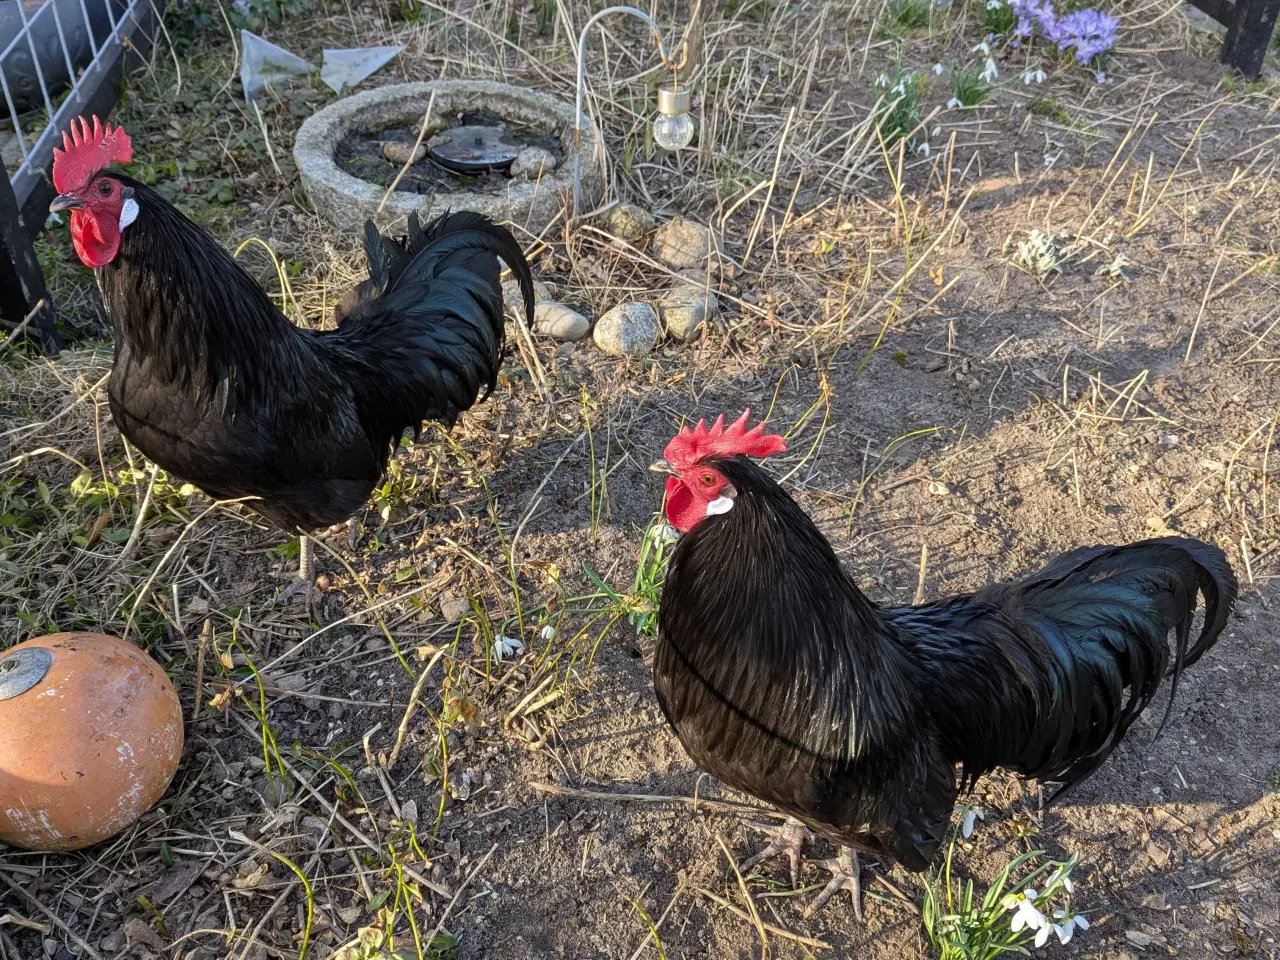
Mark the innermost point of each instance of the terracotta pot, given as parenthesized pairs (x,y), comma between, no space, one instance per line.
(90,737)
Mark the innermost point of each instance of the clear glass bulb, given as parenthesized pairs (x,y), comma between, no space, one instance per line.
(673,132)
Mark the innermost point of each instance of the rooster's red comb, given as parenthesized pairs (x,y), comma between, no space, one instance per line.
(689,446)
(86,150)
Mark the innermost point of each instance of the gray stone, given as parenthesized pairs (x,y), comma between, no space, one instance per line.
(409,812)
(629,223)
(454,609)
(514,299)
(346,201)
(682,244)
(559,322)
(460,785)
(396,152)
(628,330)
(113,942)
(533,163)
(686,308)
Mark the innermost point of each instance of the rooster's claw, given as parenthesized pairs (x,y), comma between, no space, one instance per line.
(787,838)
(846,876)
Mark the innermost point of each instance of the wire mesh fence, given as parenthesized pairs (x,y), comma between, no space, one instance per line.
(58,59)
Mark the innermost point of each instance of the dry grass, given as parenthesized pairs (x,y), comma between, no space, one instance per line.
(955,414)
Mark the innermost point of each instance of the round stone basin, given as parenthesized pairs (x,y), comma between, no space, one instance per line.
(340,155)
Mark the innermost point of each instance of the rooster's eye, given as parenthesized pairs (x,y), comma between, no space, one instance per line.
(708,479)
(104,188)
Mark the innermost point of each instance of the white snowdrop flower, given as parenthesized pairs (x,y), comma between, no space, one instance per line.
(665,533)
(994,4)
(882,80)
(1067,925)
(1033,76)
(983,48)
(504,647)
(547,632)
(936,131)
(1049,158)
(970,815)
(923,149)
(937,69)
(989,72)
(954,104)
(1059,876)
(900,89)
(1025,912)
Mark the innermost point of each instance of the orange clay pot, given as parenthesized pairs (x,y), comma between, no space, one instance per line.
(90,736)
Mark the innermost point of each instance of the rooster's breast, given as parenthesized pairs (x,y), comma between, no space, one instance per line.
(303,473)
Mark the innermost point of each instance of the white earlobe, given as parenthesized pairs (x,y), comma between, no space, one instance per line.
(719,505)
(128,213)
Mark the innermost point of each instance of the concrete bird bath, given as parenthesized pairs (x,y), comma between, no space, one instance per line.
(341,154)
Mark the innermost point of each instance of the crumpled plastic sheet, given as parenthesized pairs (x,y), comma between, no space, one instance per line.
(350,68)
(262,62)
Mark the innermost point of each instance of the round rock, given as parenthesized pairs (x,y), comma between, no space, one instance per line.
(630,223)
(686,308)
(682,244)
(396,152)
(532,163)
(514,299)
(559,322)
(453,609)
(628,330)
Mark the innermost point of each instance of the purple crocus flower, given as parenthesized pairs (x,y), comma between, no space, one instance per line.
(1034,16)
(1089,31)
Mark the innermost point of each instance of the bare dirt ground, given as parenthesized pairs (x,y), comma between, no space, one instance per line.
(936,394)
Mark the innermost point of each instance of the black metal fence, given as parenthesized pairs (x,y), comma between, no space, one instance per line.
(1249,26)
(58,59)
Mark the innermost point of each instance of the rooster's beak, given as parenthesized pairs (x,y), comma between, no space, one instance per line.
(65,202)
(661,466)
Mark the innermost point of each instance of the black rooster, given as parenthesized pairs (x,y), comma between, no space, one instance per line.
(782,679)
(212,382)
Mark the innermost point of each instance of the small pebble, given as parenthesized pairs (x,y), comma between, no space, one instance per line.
(532,163)
(396,152)
(454,609)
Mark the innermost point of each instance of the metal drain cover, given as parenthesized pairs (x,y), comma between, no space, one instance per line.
(473,149)
(23,669)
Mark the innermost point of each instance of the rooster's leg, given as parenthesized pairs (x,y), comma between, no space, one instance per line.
(306,580)
(846,876)
(788,839)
